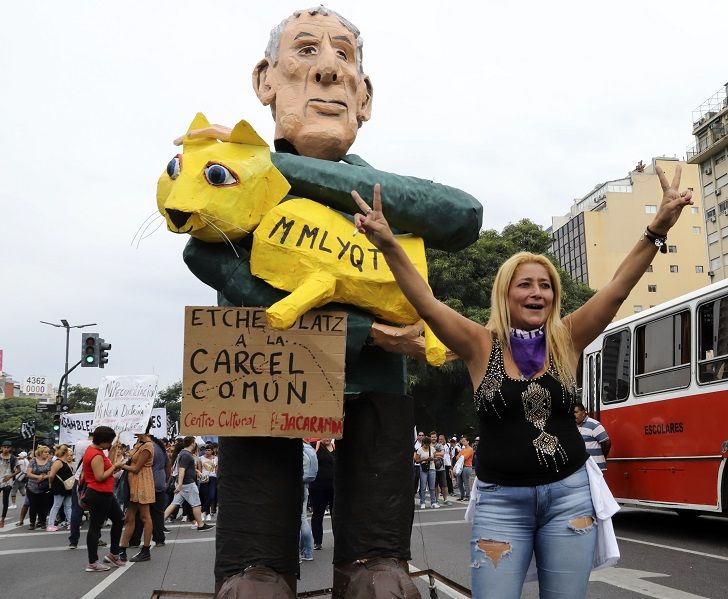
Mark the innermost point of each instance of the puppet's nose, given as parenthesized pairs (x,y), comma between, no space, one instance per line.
(178,217)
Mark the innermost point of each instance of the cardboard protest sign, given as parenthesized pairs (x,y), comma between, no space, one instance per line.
(125,402)
(76,427)
(244,378)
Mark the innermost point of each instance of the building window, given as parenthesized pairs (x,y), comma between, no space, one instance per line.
(650,209)
(694,210)
(673,267)
(637,309)
(652,288)
(724,232)
(663,354)
(649,268)
(697,230)
(708,188)
(721,181)
(718,158)
(710,215)
(672,249)
(712,237)
(715,263)
(698,268)
(725,259)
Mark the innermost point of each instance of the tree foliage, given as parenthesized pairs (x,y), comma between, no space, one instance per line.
(464,281)
(82,399)
(170,398)
(16,410)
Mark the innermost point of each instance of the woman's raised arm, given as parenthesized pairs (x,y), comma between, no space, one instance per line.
(592,318)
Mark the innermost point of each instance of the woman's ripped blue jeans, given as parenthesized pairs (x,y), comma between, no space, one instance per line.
(556,522)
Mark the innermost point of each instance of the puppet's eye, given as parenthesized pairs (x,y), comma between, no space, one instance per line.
(217,174)
(174,167)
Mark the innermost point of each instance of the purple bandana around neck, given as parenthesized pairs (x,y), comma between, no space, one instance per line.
(528,349)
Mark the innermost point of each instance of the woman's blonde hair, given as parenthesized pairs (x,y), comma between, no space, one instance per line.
(559,346)
(62,450)
(40,449)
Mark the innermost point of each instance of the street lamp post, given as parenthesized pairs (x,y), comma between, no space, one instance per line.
(64,324)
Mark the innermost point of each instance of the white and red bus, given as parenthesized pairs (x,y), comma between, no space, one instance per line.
(658,382)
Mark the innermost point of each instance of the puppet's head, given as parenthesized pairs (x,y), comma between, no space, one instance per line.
(312,78)
(216,189)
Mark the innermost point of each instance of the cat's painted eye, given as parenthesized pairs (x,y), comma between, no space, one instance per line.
(174,166)
(218,175)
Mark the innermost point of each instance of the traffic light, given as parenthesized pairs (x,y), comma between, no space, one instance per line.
(56,422)
(90,350)
(103,352)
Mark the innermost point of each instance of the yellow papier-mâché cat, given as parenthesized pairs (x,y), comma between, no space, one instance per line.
(216,190)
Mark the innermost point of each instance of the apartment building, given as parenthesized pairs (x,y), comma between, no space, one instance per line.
(602,227)
(710,124)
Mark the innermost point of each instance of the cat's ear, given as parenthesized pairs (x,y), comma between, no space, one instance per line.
(263,89)
(243,133)
(199,122)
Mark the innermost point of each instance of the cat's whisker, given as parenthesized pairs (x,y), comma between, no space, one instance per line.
(224,236)
(144,235)
(153,231)
(152,215)
(217,218)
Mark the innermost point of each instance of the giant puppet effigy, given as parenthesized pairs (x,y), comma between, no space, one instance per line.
(312,78)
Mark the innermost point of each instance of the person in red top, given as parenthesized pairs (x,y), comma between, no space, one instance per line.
(464,477)
(98,472)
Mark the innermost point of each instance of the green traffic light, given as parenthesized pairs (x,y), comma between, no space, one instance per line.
(89,359)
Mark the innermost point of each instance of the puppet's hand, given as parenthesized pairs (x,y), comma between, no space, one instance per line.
(220,132)
(407,340)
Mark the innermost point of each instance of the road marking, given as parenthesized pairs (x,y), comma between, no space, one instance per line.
(108,581)
(632,580)
(682,549)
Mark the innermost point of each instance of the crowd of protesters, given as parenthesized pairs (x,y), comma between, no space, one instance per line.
(136,488)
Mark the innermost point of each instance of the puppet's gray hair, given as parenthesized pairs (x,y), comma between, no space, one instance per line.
(274,42)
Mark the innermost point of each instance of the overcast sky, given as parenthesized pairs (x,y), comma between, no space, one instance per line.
(526,105)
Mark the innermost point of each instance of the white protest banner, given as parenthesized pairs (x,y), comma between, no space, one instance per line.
(76,427)
(125,402)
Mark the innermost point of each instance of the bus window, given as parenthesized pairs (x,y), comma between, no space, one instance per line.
(663,354)
(598,383)
(615,367)
(579,381)
(713,341)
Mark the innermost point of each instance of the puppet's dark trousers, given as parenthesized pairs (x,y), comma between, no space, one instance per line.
(260,493)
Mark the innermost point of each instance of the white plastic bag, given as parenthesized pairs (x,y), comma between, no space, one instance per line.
(458,468)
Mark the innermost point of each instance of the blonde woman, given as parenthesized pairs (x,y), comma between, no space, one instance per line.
(532,483)
(60,472)
(38,489)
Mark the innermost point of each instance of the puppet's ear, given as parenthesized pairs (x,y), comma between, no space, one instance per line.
(243,133)
(199,122)
(262,84)
(364,98)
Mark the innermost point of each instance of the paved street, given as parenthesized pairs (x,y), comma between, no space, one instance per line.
(663,555)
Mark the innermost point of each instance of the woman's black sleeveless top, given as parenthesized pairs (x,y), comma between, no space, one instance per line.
(528,433)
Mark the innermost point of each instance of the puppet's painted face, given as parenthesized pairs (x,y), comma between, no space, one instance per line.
(219,191)
(318,95)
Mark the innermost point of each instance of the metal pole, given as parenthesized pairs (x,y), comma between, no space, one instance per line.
(65,387)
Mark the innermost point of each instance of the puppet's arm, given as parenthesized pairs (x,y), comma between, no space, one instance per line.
(216,265)
(445,217)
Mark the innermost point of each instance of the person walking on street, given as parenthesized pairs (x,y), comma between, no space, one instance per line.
(322,489)
(466,452)
(60,473)
(98,471)
(186,488)
(594,434)
(9,469)
(141,496)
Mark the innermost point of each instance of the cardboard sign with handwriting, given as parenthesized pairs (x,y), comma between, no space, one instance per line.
(242,378)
